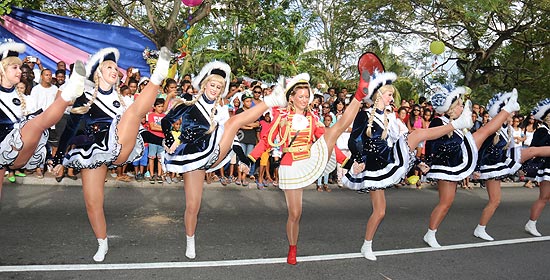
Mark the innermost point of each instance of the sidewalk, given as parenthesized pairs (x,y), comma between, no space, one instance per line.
(49,180)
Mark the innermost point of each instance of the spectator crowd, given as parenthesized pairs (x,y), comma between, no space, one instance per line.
(40,86)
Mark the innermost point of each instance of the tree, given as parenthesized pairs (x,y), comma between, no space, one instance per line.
(478,32)
(161,21)
(260,39)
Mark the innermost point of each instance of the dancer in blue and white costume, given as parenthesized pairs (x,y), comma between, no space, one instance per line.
(498,157)
(111,134)
(381,157)
(453,157)
(23,134)
(541,141)
(207,136)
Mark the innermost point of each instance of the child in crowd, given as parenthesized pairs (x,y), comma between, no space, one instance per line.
(265,124)
(155,151)
(176,133)
(322,182)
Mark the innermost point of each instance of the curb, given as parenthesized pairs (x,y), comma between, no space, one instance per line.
(49,180)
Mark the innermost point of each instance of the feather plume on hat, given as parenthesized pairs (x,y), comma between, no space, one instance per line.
(378,80)
(444,96)
(542,109)
(11,49)
(498,101)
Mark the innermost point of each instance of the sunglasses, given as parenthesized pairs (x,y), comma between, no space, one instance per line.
(257,92)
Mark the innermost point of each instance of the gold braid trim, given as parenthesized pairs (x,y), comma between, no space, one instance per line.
(272,130)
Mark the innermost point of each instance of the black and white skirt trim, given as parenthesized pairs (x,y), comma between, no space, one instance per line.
(103,151)
(13,142)
(499,170)
(386,177)
(461,171)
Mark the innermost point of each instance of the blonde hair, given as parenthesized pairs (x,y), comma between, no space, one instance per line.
(10,60)
(14,60)
(209,78)
(378,95)
(290,106)
(86,107)
(510,137)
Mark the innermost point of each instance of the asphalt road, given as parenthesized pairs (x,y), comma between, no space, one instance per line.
(241,235)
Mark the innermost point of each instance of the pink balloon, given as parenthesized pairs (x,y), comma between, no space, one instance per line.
(192,3)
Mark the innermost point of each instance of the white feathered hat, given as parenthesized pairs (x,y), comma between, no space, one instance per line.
(215,67)
(378,80)
(444,96)
(11,49)
(100,56)
(498,101)
(542,109)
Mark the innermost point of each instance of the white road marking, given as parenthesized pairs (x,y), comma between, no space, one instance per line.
(161,265)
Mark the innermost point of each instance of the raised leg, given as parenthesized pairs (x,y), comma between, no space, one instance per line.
(233,125)
(129,122)
(490,128)
(332,134)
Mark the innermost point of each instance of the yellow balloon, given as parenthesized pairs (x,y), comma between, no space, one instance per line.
(437,47)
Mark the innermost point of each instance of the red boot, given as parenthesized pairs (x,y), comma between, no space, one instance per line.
(367,65)
(292,251)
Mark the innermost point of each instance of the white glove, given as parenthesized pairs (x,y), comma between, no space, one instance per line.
(512,105)
(161,69)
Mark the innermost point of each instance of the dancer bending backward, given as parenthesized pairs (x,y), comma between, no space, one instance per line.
(498,157)
(381,157)
(207,137)
(111,136)
(23,136)
(305,159)
(541,142)
(453,157)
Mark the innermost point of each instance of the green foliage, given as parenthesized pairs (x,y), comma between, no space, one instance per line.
(5,5)
(495,44)
(263,41)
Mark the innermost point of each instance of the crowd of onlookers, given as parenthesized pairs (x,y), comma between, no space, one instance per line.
(40,86)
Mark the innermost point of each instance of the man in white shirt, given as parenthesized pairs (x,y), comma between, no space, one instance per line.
(42,96)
